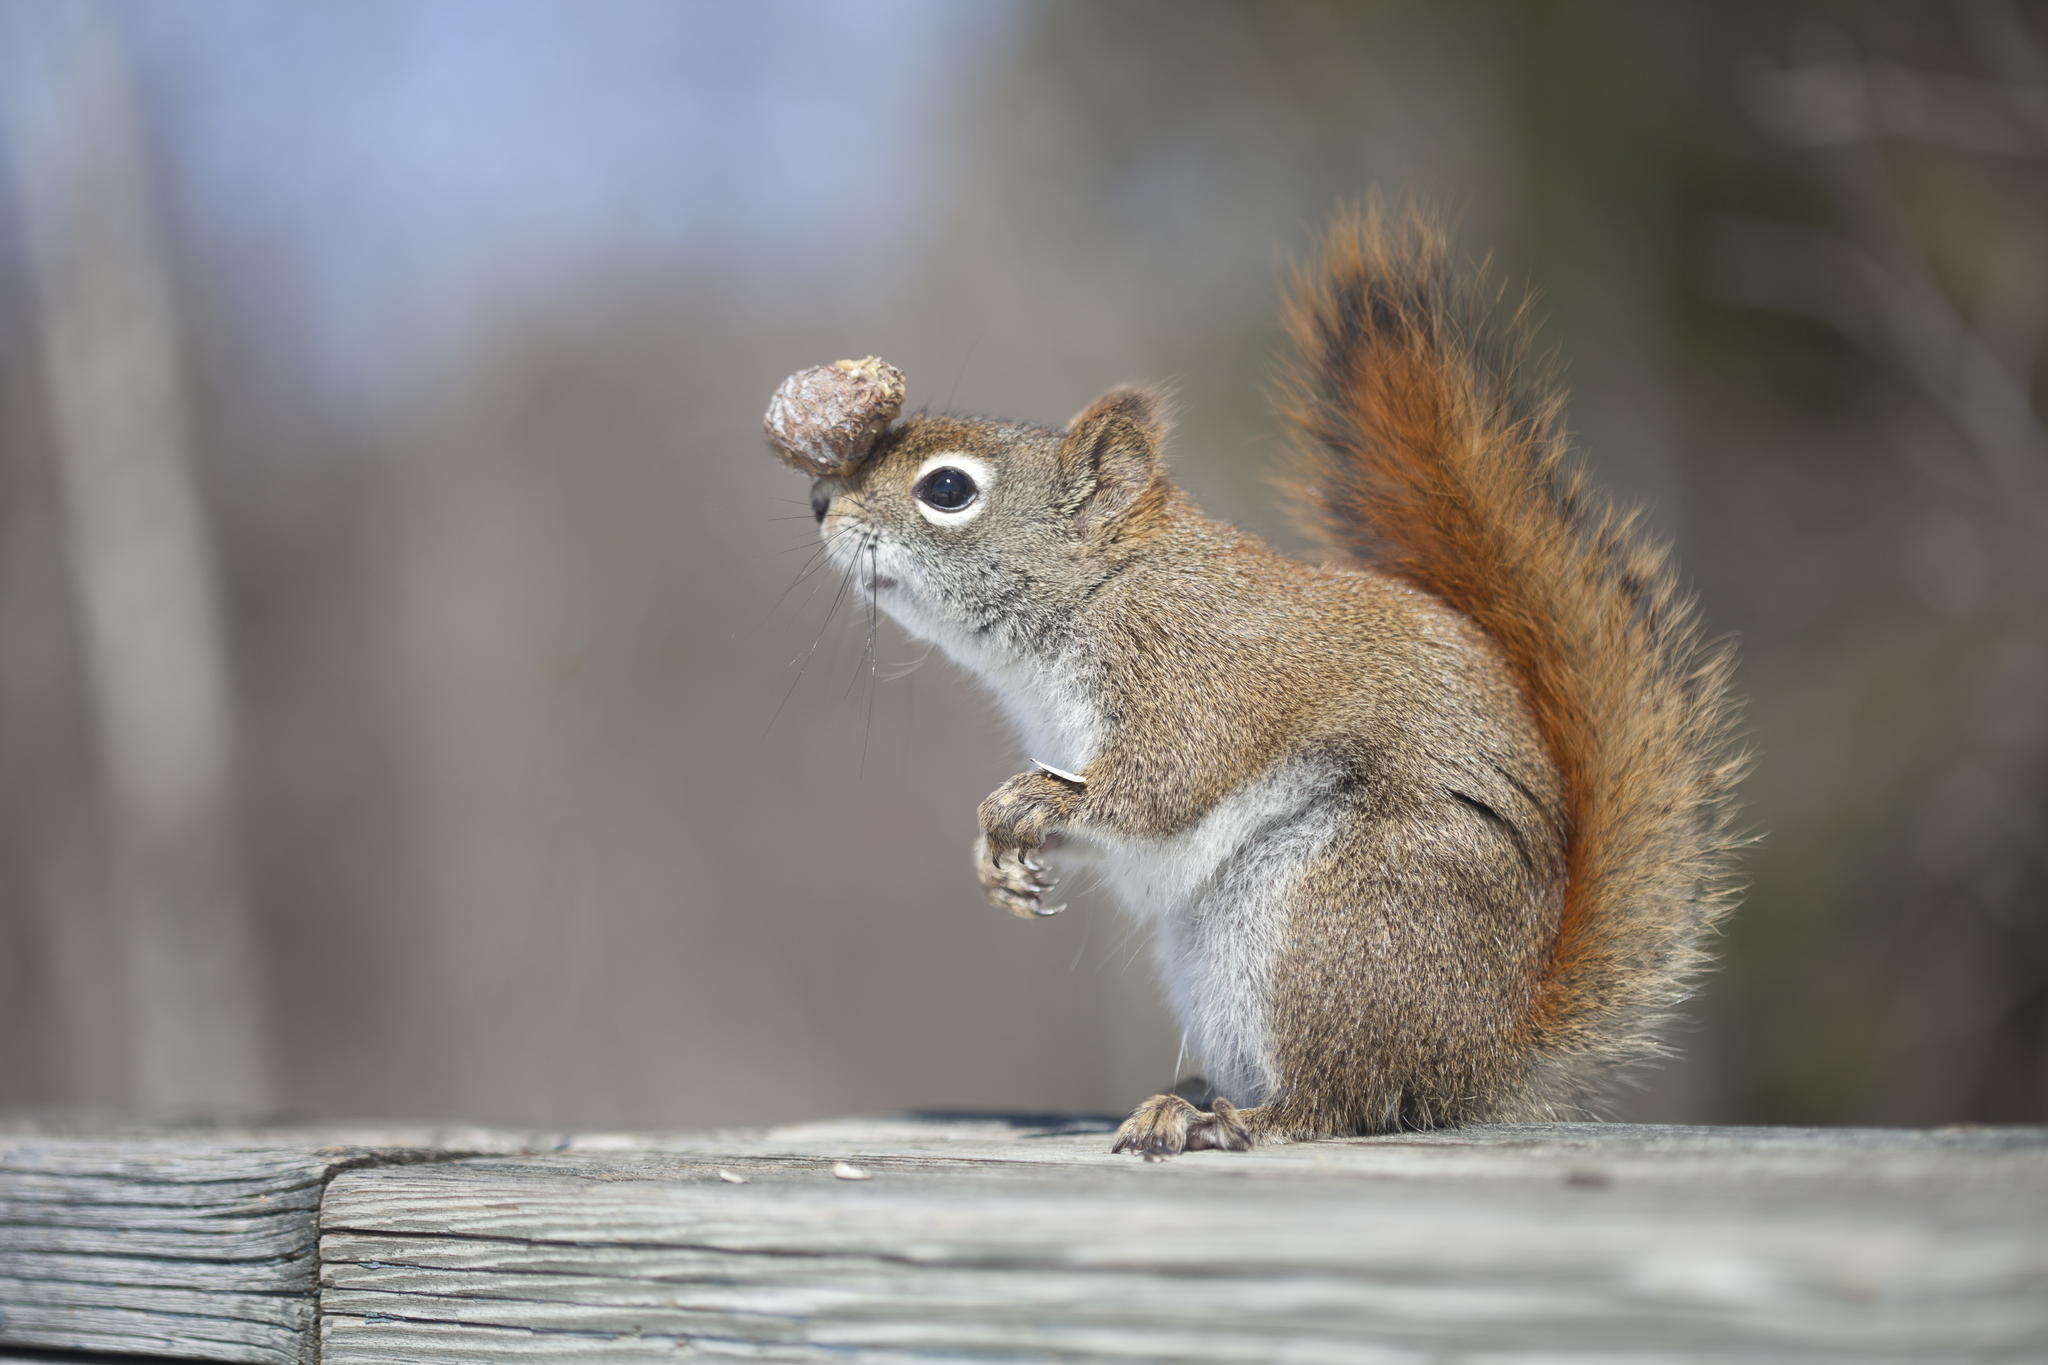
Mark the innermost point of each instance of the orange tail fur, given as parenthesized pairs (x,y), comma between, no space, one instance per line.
(1430,453)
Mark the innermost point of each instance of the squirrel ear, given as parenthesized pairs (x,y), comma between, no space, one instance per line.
(1110,457)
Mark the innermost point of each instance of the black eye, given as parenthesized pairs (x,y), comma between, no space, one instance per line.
(947,489)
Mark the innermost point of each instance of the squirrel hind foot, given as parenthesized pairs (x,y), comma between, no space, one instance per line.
(1167,1125)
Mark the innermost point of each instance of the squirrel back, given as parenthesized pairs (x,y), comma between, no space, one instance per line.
(1429,452)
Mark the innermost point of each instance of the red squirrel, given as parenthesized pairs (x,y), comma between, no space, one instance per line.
(1428,834)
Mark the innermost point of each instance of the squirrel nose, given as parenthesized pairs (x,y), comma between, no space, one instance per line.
(821,501)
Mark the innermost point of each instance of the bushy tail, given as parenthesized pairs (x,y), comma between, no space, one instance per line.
(1430,453)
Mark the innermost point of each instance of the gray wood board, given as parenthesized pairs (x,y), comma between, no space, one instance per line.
(981,1240)
(192,1243)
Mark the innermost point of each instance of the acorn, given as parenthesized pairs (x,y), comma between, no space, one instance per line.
(823,421)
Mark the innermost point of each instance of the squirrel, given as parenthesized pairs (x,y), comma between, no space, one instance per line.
(1426,835)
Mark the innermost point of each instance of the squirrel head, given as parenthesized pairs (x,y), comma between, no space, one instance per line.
(981,535)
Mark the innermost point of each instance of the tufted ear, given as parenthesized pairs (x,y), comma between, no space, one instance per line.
(1110,457)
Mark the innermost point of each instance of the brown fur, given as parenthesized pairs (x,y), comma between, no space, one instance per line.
(1501,752)
(1443,464)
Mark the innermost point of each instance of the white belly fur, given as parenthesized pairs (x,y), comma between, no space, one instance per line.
(1217,897)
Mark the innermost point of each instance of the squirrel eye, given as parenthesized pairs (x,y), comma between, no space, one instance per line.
(947,488)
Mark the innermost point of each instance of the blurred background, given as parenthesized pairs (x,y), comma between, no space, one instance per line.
(401,710)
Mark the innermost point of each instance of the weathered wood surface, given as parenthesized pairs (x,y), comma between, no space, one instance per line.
(1025,1242)
(978,1239)
(189,1244)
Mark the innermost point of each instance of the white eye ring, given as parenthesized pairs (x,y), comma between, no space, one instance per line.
(978,470)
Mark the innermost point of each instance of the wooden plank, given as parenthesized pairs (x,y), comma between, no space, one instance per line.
(1026,1241)
(169,1248)
(179,1243)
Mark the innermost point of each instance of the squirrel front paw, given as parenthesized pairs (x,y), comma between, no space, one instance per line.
(1019,821)
(1015,880)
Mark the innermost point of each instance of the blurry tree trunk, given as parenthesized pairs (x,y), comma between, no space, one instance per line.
(140,561)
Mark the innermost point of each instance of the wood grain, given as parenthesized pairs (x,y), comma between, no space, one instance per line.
(178,1249)
(1025,1241)
(1021,1240)
(195,1244)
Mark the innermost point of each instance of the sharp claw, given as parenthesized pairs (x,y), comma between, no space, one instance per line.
(1015,878)
(1023,907)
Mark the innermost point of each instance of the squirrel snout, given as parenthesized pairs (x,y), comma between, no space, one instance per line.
(821,500)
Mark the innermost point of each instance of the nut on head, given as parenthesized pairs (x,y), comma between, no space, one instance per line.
(823,421)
